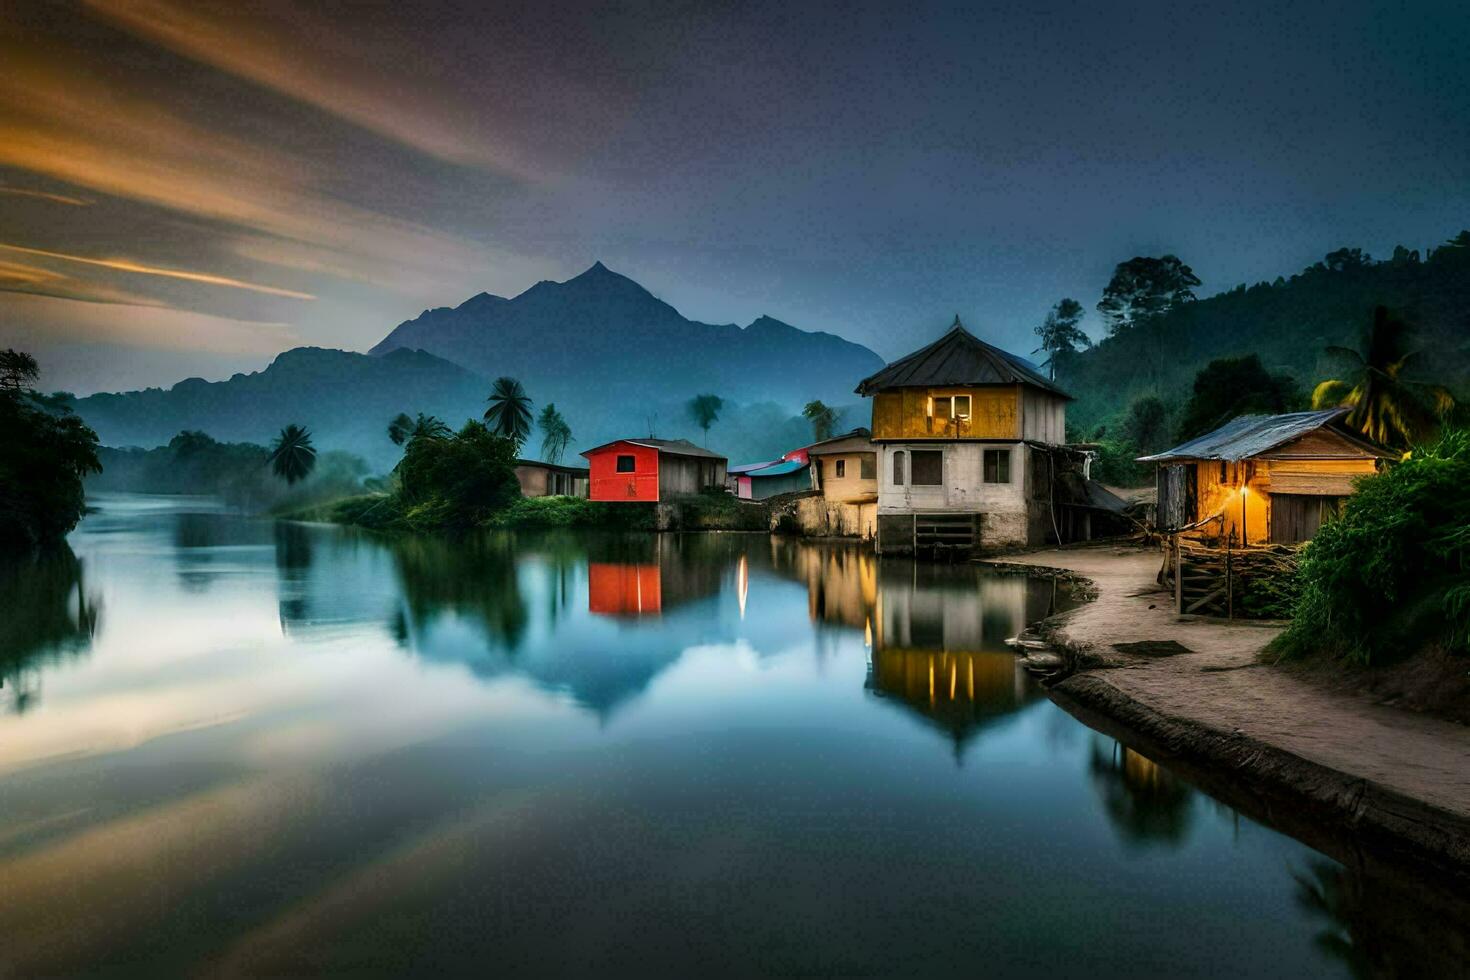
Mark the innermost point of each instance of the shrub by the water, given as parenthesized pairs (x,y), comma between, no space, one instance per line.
(45,451)
(552,512)
(457,481)
(1393,572)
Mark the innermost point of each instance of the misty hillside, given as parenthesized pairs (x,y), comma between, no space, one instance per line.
(1288,324)
(600,338)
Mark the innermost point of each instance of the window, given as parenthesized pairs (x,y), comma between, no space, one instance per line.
(626,464)
(928,468)
(939,407)
(868,467)
(841,468)
(898,468)
(961,405)
(997,466)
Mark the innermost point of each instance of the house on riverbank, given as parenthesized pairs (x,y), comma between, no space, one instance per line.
(967,439)
(538,479)
(650,470)
(757,481)
(1262,479)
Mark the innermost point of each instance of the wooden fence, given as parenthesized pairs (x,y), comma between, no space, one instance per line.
(1209,581)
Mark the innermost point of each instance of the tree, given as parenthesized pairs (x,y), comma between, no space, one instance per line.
(1347,259)
(509,414)
(1147,424)
(1143,288)
(459,481)
(705,410)
(1385,404)
(1060,334)
(400,428)
(18,371)
(822,418)
(1233,386)
(555,433)
(45,453)
(293,456)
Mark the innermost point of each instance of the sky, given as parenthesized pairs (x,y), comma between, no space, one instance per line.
(188,187)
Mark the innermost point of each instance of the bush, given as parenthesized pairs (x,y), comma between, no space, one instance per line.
(1393,572)
(458,481)
(551,512)
(45,451)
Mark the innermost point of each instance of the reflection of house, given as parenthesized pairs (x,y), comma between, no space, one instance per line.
(1262,478)
(540,479)
(650,470)
(957,424)
(654,575)
(624,589)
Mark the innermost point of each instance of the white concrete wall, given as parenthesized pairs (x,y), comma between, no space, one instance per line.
(963,488)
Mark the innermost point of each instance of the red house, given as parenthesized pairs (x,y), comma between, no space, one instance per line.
(649,470)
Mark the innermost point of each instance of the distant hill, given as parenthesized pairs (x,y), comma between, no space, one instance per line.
(600,338)
(1287,323)
(615,360)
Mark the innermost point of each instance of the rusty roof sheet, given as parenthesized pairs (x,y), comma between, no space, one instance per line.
(1247,436)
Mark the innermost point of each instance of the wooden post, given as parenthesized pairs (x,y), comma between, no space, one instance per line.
(1178,579)
(1229,586)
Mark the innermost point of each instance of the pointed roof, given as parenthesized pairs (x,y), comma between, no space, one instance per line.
(673,447)
(958,358)
(1252,435)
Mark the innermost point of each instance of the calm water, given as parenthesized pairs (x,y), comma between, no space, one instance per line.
(229,745)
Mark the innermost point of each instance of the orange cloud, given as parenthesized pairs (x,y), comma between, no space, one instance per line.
(77,202)
(18,277)
(286,55)
(127,265)
(135,322)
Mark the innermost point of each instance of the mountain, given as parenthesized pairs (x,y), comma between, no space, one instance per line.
(345,398)
(600,339)
(615,360)
(1288,324)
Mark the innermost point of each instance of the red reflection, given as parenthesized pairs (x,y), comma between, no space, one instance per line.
(618,589)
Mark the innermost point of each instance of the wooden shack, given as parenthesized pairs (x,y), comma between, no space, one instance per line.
(1262,479)
(538,479)
(650,470)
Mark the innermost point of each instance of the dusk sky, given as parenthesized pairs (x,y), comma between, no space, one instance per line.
(189,188)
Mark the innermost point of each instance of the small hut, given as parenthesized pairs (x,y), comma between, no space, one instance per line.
(1262,479)
(538,479)
(650,470)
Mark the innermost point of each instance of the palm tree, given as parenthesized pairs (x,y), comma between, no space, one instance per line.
(509,414)
(555,433)
(705,410)
(822,418)
(1385,405)
(293,457)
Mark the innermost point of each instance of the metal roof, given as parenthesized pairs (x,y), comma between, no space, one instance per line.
(858,440)
(777,469)
(674,447)
(958,358)
(1249,435)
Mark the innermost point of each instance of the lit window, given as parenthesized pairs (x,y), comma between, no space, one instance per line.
(997,466)
(898,468)
(928,468)
(626,464)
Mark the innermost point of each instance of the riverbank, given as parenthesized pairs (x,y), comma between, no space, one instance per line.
(1197,692)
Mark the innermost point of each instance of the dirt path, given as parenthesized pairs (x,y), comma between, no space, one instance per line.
(1390,773)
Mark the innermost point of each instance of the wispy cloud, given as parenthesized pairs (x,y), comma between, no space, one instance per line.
(46,312)
(76,202)
(127,265)
(20,277)
(288,51)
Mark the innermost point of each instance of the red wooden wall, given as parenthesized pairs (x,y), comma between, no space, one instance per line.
(609,484)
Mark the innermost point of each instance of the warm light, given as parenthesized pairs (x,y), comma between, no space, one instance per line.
(1242,489)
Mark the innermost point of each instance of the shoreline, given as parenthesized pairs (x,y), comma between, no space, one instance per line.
(1359,781)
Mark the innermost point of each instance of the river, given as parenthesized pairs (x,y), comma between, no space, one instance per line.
(231,745)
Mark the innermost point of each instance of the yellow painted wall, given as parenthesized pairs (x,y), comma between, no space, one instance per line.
(904,414)
(850,486)
(1262,477)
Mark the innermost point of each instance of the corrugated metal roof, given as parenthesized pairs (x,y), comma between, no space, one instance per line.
(744,468)
(958,358)
(1247,436)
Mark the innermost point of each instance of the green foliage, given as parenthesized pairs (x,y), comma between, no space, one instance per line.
(1148,425)
(457,482)
(18,371)
(1232,386)
(822,418)
(1269,595)
(1387,405)
(717,510)
(509,414)
(1393,572)
(400,428)
(576,512)
(705,410)
(293,457)
(556,435)
(1143,288)
(45,452)
(1060,334)
(1288,324)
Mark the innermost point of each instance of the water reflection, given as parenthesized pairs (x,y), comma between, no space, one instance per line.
(1145,803)
(51,617)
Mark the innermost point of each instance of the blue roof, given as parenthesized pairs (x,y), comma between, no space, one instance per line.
(781,468)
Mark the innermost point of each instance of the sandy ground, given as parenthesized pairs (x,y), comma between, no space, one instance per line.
(1220,685)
